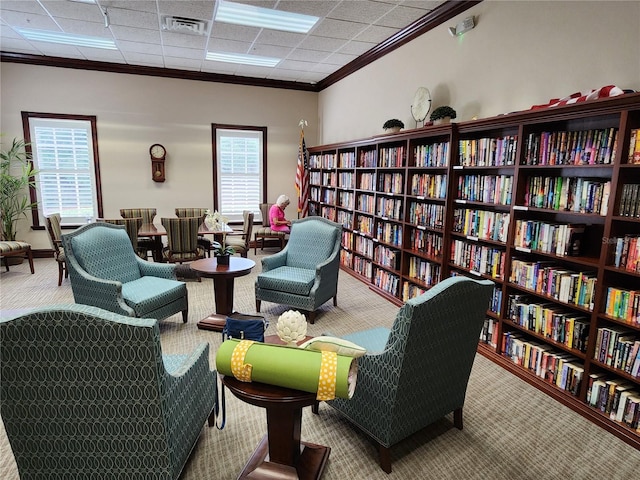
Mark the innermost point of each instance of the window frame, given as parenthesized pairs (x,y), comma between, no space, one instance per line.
(33,191)
(214,147)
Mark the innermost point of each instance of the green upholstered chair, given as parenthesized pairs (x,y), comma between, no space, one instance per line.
(196,212)
(54,229)
(146,244)
(304,274)
(88,393)
(182,240)
(131,225)
(240,241)
(105,272)
(16,249)
(264,232)
(417,372)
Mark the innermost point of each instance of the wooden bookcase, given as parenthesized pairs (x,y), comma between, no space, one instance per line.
(492,199)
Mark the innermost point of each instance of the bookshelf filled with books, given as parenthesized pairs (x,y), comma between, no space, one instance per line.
(546,204)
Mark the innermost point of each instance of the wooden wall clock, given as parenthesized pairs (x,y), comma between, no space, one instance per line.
(158,154)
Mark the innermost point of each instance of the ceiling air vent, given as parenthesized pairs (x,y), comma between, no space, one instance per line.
(184,25)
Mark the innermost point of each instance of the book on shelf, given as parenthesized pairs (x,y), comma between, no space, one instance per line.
(634,147)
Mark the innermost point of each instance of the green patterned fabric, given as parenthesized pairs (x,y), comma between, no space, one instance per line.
(87,393)
(182,240)
(54,229)
(105,272)
(131,225)
(304,274)
(418,371)
(204,242)
(145,244)
(240,243)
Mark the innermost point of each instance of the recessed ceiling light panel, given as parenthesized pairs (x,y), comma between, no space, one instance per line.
(67,38)
(243,59)
(251,16)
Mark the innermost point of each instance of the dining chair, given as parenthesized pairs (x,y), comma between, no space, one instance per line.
(147,244)
(182,240)
(54,230)
(197,212)
(264,232)
(240,241)
(131,225)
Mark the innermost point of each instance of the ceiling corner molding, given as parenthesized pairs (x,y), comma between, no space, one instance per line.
(436,17)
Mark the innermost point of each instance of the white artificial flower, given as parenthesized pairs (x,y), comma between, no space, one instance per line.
(291,326)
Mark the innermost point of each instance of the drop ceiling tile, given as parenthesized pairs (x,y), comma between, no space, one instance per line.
(139,47)
(22,6)
(275,37)
(56,50)
(73,10)
(316,8)
(356,48)
(422,4)
(229,46)
(130,18)
(200,9)
(310,77)
(182,63)
(135,34)
(365,11)
(234,32)
(187,40)
(321,43)
(40,22)
(307,55)
(339,59)
(191,53)
(376,34)
(219,67)
(17,45)
(135,5)
(324,68)
(102,55)
(135,58)
(338,29)
(253,71)
(296,65)
(400,17)
(8,32)
(79,27)
(270,51)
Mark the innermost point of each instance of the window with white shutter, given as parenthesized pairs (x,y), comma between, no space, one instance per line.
(239,163)
(63,155)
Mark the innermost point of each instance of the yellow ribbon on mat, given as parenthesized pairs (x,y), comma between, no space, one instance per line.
(328,376)
(241,370)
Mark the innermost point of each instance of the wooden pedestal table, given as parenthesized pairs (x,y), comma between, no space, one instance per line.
(223,282)
(279,453)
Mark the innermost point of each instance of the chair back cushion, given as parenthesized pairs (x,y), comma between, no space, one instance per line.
(264,211)
(191,212)
(182,234)
(311,242)
(54,230)
(104,251)
(147,214)
(131,225)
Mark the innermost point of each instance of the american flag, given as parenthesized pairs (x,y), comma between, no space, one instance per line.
(302,178)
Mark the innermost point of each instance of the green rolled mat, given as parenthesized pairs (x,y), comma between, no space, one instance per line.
(289,367)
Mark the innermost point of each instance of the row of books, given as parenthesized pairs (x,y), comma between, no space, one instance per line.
(616,398)
(367,181)
(618,348)
(364,224)
(391,183)
(574,194)
(329,179)
(345,180)
(386,281)
(486,188)
(344,218)
(489,332)
(479,152)
(547,237)
(634,147)
(315,178)
(322,160)
(366,203)
(432,155)
(347,160)
(426,272)
(495,304)
(629,205)
(426,242)
(483,224)
(346,258)
(328,196)
(347,239)
(410,290)
(546,278)
(362,266)
(345,199)
(390,233)
(328,212)
(363,245)
(389,208)
(584,147)
(387,257)
(624,304)
(626,253)
(368,158)
(431,186)
(560,369)
(480,259)
(391,157)
(549,320)
(426,214)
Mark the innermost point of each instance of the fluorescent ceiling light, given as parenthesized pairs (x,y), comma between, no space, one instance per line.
(239,14)
(67,38)
(243,59)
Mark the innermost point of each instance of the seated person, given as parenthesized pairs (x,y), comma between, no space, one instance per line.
(277,220)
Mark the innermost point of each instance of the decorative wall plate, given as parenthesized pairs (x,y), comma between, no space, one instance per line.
(421,105)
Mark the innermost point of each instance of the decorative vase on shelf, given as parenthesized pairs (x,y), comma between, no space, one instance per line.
(223,259)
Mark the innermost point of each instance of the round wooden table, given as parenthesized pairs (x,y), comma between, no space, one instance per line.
(279,453)
(223,280)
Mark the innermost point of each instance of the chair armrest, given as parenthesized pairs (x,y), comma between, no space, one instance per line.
(274,261)
(98,292)
(152,269)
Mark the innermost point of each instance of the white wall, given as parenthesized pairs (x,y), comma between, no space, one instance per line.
(521,53)
(133,112)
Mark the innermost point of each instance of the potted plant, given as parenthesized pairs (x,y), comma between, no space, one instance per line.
(16,177)
(442,114)
(393,125)
(222,252)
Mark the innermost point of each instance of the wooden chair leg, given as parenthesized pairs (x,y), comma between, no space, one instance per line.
(312,317)
(211,421)
(384,455)
(258,303)
(315,408)
(457,418)
(60,269)
(6,263)
(335,300)
(185,315)
(30,258)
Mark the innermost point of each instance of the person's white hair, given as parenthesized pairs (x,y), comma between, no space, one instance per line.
(282,199)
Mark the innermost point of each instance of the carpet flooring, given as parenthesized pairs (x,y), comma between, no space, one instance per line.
(511,430)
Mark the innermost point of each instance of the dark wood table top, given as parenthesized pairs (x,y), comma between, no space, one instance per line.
(238,266)
(156,229)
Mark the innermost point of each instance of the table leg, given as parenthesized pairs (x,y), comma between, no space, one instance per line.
(157,250)
(283,431)
(223,292)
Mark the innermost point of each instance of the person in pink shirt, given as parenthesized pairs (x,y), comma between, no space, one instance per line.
(277,220)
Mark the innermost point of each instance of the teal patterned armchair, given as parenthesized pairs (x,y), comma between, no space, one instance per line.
(304,274)
(88,393)
(417,372)
(105,272)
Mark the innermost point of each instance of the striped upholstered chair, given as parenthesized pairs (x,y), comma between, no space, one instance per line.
(196,212)
(132,226)
(105,272)
(182,240)
(264,232)
(304,274)
(417,372)
(145,244)
(54,228)
(99,399)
